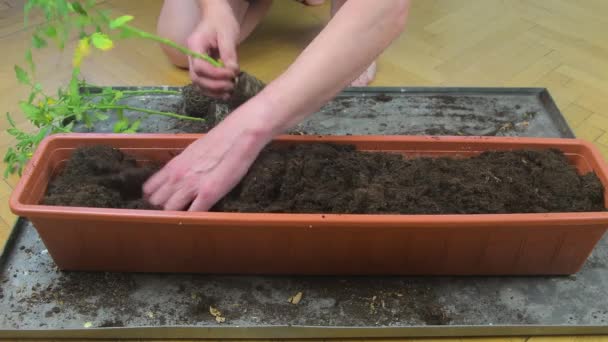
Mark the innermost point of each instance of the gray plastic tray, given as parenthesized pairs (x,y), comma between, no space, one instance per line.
(399,111)
(39,301)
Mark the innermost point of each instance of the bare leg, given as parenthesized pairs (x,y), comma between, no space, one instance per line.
(368,75)
(178,18)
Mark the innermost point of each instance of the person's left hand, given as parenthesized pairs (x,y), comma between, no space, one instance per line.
(207,169)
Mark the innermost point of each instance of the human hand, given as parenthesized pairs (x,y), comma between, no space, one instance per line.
(207,169)
(217,36)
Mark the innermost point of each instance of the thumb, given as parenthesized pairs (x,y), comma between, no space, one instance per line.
(227,49)
(201,44)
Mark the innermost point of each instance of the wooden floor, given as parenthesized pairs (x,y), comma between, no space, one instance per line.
(558,44)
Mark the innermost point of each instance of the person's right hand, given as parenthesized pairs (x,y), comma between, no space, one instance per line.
(217,36)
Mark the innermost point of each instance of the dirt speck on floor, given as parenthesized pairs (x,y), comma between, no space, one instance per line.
(86,293)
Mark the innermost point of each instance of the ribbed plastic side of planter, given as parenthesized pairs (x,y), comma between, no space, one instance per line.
(313,244)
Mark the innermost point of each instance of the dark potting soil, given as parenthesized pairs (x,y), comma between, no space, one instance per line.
(102,177)
(325,178)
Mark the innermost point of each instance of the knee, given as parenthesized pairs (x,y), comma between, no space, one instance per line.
(169,27)
(400,14)
(175,57)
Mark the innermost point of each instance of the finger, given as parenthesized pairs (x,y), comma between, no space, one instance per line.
(201,203)
(191,71)
(206,45)
(180,199)
(227,49)
(206,196)
(154,183)
(160,197)
(191,67)
(218,94)
(203,68)
(214,86)
(192,74)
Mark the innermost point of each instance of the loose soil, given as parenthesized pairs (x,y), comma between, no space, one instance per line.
(102,177)
(325,178)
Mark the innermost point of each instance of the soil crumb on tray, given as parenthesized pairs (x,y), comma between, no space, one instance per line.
(326,178)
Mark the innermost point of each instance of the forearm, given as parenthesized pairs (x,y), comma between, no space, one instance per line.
(352,40)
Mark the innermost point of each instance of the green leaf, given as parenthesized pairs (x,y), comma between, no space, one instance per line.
(101,116)
(62,112)
(121,125)
(31,97)
(10,119)
(9,154)
(38,41)
(135,125)
(51,32)
(14,132)
(30,110)
(83,22)
(120,21)
(41,134)
(63,7)
(30,60)
(87,120)
(69,127)
(105,16)
(117,96)
(101,41)
(21,75)
(78,8)
(9,170)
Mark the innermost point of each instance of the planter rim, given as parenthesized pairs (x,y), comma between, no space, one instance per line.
(310,220)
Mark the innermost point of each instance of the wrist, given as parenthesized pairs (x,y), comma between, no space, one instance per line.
(254,121)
